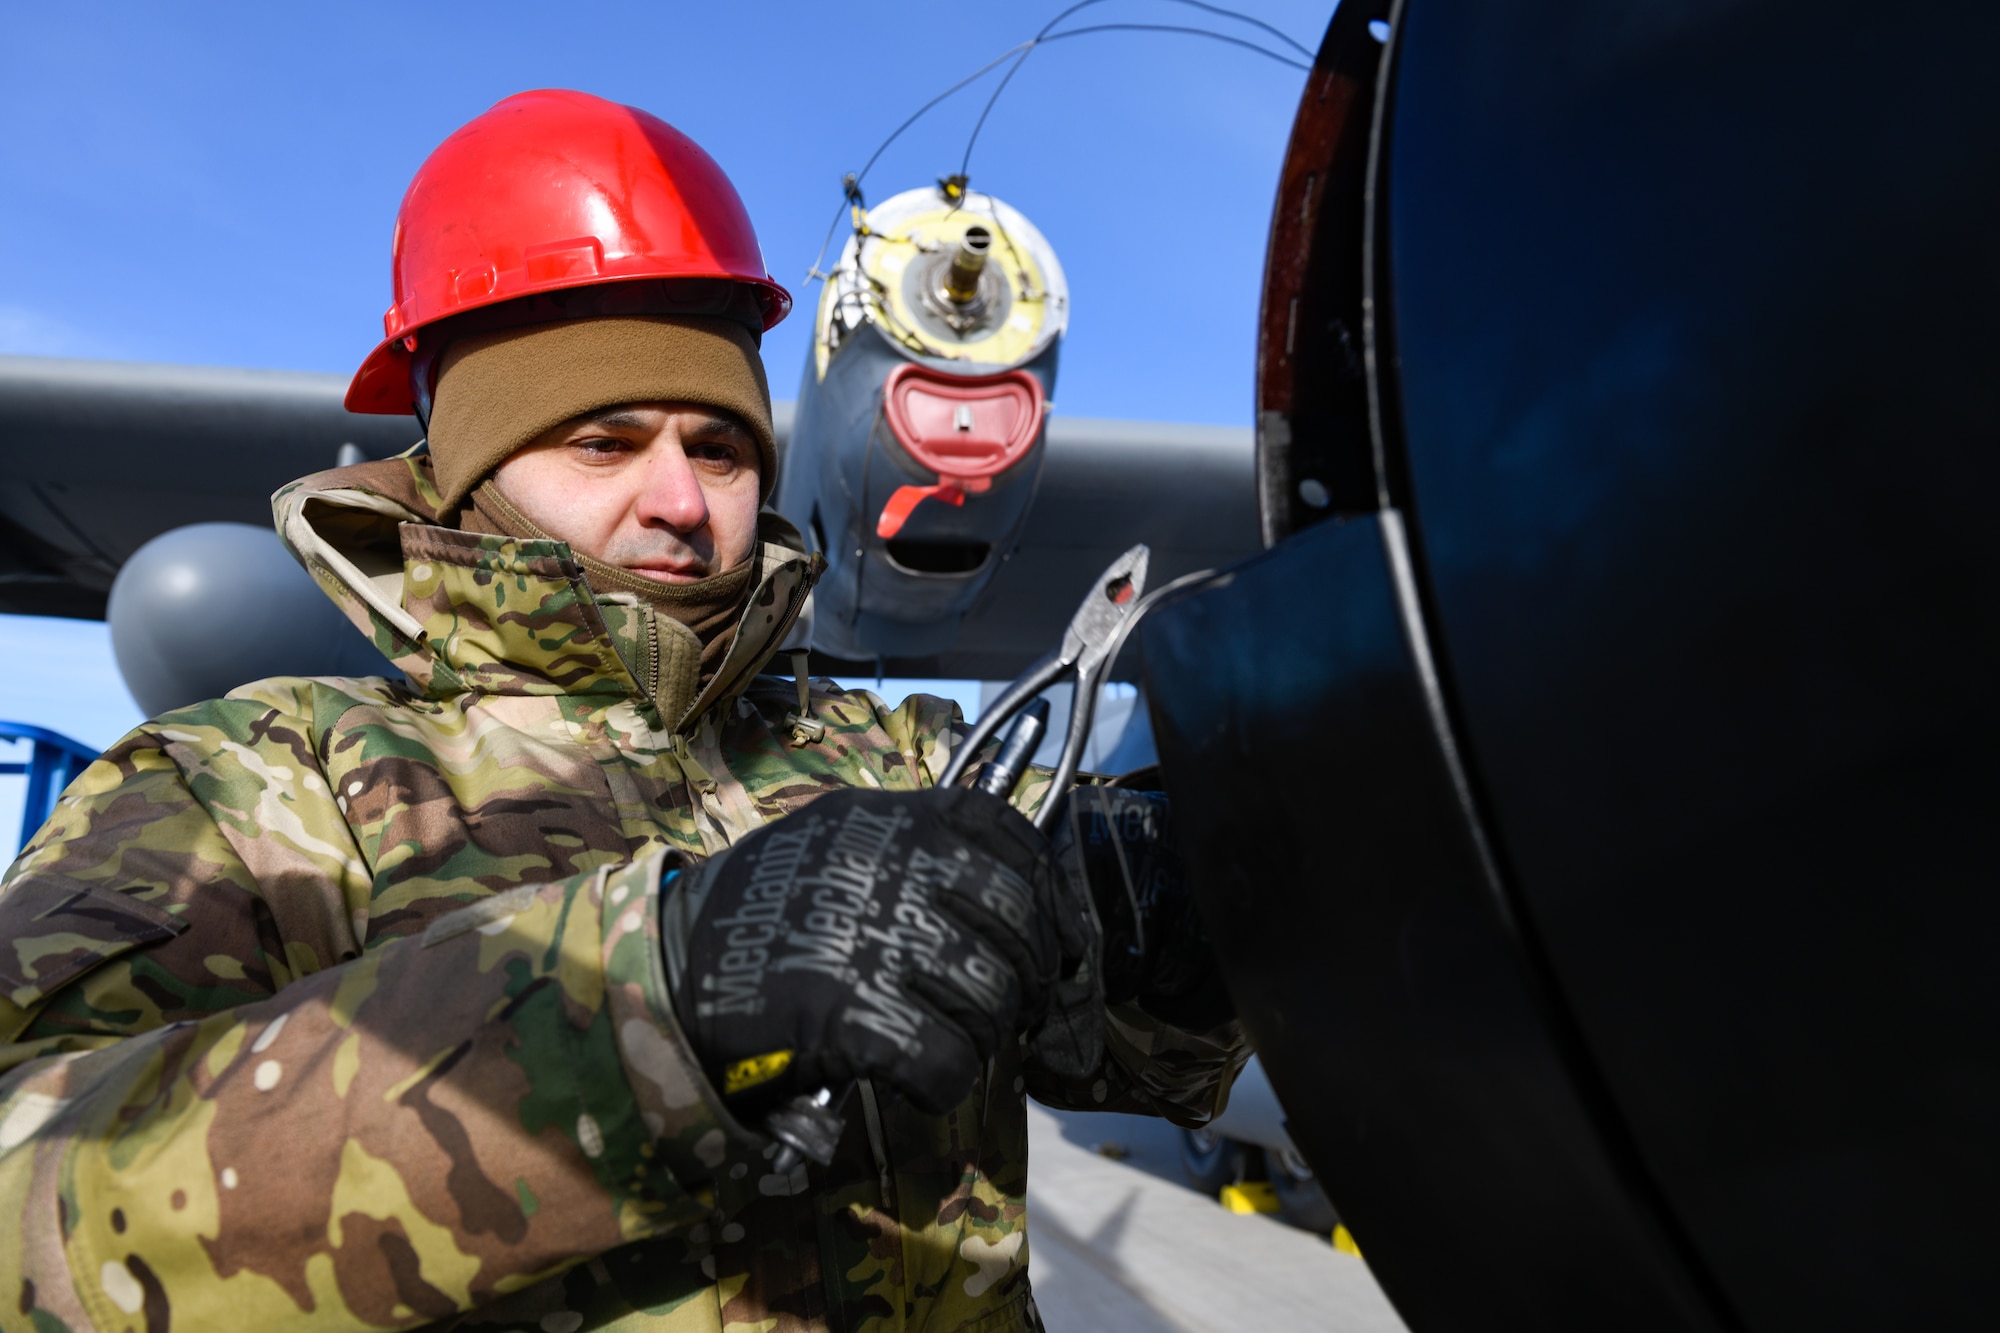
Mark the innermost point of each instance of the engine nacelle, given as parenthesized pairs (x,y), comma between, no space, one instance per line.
(919,433)
(199,610)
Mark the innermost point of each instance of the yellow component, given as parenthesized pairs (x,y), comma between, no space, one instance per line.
(1252,1196)
(944,228)
(757,1069)
(869,281)
(829,298)
(1343,1240)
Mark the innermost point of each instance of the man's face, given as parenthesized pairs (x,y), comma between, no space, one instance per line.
(666,490)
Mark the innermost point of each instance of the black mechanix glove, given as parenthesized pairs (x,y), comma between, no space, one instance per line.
(899,936)
(1116,845)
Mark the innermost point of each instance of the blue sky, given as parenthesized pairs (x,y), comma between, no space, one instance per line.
(215,183)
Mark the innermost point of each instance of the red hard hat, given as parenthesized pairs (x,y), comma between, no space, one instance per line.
(548,191)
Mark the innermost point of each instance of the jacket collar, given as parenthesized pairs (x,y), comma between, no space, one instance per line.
(459,611)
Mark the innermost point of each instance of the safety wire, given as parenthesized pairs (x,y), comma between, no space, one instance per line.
(1175,590)
(851,203)
(851,186)
(1048,35)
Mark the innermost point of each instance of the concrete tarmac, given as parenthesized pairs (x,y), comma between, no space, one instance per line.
(1123,1246)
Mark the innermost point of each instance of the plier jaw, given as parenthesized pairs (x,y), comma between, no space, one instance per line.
(1088,648)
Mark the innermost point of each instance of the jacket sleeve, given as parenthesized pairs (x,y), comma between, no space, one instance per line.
(1152,1068)
(258,1138)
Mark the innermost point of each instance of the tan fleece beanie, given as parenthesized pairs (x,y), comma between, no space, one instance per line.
(497,392)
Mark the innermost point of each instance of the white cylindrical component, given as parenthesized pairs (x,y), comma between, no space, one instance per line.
(968,281)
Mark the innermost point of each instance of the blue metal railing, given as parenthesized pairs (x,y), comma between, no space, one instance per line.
(53,763)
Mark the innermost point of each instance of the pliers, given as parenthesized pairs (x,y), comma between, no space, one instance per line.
(810,1125)
(1094,636)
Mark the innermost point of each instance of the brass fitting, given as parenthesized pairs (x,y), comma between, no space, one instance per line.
(961,281)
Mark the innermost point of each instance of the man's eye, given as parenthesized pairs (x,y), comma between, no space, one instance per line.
(599,447)
(713,453)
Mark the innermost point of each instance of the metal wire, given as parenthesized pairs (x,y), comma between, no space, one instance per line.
(1278,33)
(1300,65)
(1020,53)
(1048,34)
(853,192)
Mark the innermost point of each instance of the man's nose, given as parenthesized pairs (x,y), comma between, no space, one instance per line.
(672,496)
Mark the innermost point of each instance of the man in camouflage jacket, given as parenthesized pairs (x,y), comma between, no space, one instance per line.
(338,1004)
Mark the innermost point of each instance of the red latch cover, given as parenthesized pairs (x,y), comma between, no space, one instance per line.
(967,429)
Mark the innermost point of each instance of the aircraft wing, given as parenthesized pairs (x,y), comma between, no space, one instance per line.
(103,456)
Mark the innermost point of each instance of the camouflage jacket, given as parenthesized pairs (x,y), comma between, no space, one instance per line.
(336,1003)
